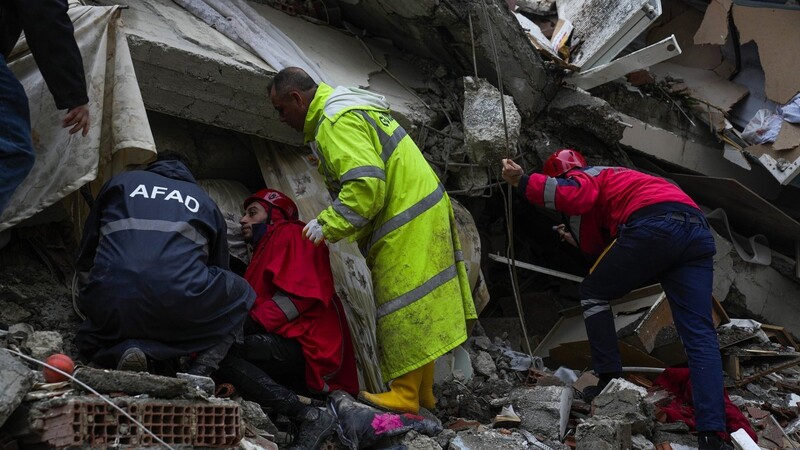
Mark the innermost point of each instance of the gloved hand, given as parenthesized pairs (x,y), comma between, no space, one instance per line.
(313,232)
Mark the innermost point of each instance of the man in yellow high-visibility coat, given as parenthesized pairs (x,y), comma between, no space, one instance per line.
(389,200)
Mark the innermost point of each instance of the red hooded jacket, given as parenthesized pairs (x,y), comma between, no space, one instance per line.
(600,199)
(296,299)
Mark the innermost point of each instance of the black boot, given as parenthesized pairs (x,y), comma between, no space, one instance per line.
(315,426)
(710,440)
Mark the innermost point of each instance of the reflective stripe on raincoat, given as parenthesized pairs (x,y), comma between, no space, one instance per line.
(388,199)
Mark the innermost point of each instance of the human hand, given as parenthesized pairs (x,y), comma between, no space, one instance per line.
(512,172)
(565,235)
(313,232)
(78,118)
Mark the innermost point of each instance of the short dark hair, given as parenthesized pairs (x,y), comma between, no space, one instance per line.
(291,79)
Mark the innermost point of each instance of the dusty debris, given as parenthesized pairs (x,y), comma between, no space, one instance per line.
(601,433)
(15,381)
(544,410)
(490,133)
(132,383)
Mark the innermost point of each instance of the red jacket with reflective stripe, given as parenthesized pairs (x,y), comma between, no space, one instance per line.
(602,198)
(296,299)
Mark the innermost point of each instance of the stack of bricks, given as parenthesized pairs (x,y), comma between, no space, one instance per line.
(88,421)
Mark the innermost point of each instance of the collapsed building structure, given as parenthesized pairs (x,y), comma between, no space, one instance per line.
(667,87)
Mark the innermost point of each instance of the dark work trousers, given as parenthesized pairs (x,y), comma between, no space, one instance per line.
(267,369)
(16,147)
(678,248)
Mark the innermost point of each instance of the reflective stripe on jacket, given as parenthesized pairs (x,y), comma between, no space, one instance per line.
(388,199)
(599,199)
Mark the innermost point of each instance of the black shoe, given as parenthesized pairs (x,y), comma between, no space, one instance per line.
(133,360)
(712,441)
(316,426)
(590,392)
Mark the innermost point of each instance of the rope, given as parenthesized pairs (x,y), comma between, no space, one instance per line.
(85,386)
(507,199)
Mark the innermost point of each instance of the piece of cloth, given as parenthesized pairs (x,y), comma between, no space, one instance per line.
(237,20)
(389,200)
(153,264)
(296,299)
(119,133)
(600,199)
(645,228)
(16,148)
(677,381)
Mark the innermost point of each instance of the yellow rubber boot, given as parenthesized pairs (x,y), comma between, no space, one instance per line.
(426,398)
(403,395)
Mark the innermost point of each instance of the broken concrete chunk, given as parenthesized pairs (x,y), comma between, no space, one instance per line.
(416,441)
(44,343)
(472,181)
(603,434)
(626,406)
(15,381)
(134,383)
(544,410)
(12,313)
(484,364)
(639,442)
(471,440)
(483,122)
(253,414)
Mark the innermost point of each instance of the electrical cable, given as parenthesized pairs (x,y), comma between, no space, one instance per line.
(509,197)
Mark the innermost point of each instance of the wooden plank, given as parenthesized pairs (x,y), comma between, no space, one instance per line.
(646,57)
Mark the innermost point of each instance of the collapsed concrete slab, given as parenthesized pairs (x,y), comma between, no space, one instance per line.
(576,108)
(15,381)
(544,410)
(187,69)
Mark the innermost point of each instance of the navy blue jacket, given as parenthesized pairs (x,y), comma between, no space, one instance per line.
(153,267)
(49,33)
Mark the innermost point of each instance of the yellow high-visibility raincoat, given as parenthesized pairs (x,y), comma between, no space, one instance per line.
(389,200)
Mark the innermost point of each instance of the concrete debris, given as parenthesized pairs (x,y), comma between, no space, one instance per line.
(417,441)
(484,364)
(44,343)
(131,383)
(543,410)
(490,134)
(626,405)
(487,440)
(577,109)
(598,433)
(639,442)
(15,381)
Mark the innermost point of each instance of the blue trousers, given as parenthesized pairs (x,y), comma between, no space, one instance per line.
(678,248)
(16,147)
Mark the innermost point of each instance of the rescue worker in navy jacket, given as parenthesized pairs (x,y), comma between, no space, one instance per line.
(49,34)
(637,227)
(153,273)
